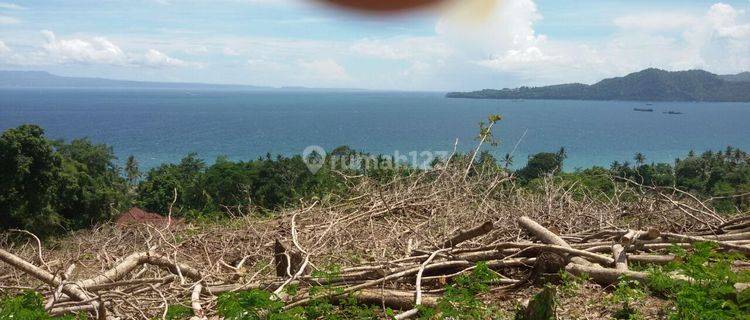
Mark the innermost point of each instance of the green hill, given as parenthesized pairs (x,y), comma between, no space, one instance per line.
(646,85)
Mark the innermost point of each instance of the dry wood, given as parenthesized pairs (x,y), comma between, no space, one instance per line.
(466,235)
(621,257)
(547,236)
(651,259)
(44,276)
(127,265)
(690,239)
(604,276)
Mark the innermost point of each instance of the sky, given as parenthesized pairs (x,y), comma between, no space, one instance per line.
(459,45)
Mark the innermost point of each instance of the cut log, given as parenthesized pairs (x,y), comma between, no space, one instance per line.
(540,232)
(135,260)
(195,302)
(690,239)
(396,299)
(546,236)
(466,235)
(40,274)
(605,276)
(651,259)
(621,258)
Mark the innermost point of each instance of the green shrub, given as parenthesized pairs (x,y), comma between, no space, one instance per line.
(460,299)
(626,294)
(28,306)
(178,312)
(712,294)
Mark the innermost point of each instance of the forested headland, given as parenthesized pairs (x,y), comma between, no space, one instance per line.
(646,85)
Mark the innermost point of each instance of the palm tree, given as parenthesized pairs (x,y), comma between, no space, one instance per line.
(508,160)
(640,159)
(739,155)
(615,166)
(131,170)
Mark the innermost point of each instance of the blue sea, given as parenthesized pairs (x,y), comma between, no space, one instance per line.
(160,126)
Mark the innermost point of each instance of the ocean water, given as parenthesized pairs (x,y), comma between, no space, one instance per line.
(159,126)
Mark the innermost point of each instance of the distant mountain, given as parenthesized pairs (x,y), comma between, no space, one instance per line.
(740,77)
(646,85)
(41,79)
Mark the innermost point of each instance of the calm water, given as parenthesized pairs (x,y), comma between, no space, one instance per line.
(160,126)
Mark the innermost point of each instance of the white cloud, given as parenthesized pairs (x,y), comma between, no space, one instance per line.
(494,28)
(196,50)
(658,21)
(324,69)
(97,50)
(324,72)
(3,48)
(401,48)
(265,66)
(100,50)
(723,19)
(10,6)
(8,20)
(227,51)
(378,49)
(156,59)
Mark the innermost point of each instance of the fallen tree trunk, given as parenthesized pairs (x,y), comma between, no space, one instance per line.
(71,290)
(469,234)
(605,276)
(651,259)
(135,260)
(546,236)
(396,299)
(728,246)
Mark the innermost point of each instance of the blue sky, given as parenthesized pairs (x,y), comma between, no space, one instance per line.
(464,44)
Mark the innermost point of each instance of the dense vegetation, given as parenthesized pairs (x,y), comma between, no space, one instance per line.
(646,85)
(48,187)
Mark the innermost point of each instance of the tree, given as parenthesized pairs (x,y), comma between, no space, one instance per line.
(157,191)
(485,135)
(541,164)
(132,172)
(48,187)
(508,160)
(29,172)
(91,188)
(640,159)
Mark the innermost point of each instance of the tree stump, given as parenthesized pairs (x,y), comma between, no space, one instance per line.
(547,267)
(541,306)
(287,261)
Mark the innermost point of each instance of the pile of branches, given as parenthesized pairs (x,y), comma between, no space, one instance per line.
(398,244)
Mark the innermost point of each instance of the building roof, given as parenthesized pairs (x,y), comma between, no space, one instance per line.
(136,216)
